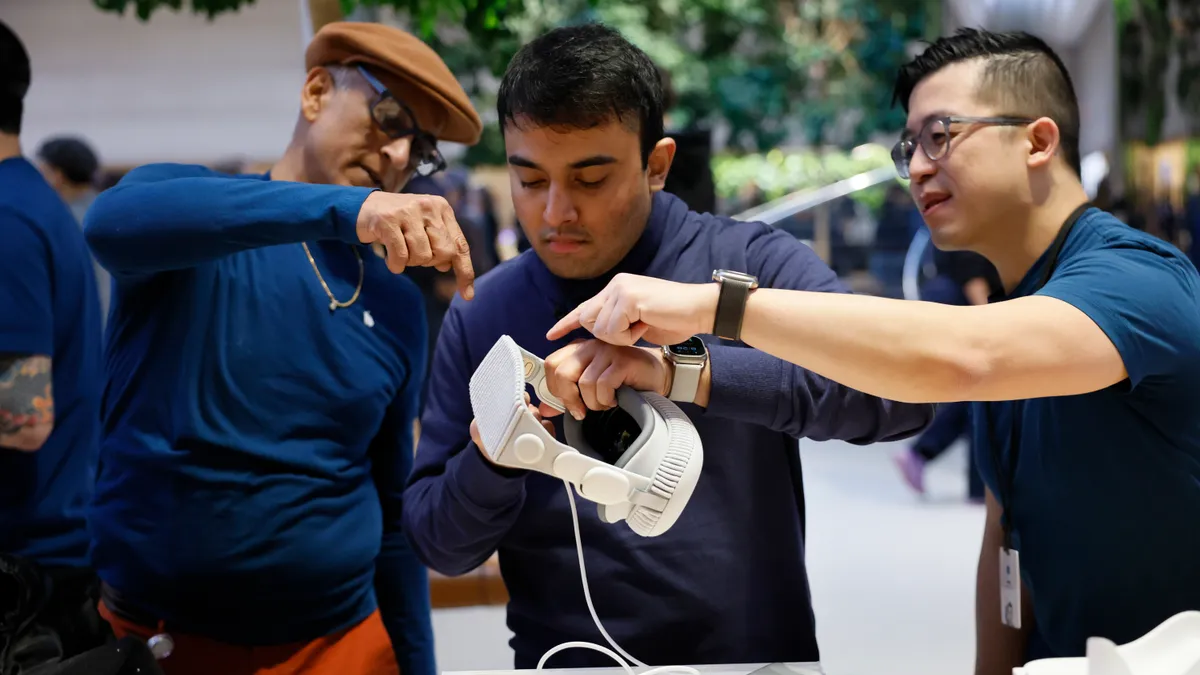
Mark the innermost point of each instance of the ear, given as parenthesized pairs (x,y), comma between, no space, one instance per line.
(1043,139)
(318,89)
(659,163)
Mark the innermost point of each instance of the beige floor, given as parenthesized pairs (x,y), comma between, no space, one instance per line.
(892,575)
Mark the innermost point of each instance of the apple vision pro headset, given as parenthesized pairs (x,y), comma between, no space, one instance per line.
(639,461)
(650,456)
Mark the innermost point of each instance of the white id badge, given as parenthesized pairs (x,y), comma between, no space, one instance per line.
(1010,587)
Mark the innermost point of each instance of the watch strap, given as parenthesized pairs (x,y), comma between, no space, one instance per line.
(685,382)
(731,308)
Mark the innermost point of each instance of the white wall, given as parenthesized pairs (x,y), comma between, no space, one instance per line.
(177,88)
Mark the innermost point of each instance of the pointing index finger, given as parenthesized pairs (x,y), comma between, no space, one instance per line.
(565,325)
(464,272)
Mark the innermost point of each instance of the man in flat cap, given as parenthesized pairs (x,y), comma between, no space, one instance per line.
(263,375)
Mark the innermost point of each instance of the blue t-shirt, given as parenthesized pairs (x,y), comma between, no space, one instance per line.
(1107,487)
(49,307)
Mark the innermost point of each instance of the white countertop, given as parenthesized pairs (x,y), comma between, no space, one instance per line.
(720,669)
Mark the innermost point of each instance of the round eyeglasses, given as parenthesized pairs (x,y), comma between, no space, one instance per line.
(934,138)
(397,121)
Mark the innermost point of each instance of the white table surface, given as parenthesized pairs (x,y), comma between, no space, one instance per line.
(720,669)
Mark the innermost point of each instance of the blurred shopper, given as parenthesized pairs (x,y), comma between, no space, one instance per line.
(893,236)
(264,373)
(70,166)
(50,381)
(1088,434)
(963,278)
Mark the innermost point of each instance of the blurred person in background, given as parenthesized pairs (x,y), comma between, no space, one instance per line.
(438,288)
(50,383)
(893,235)
(581,110)
(1087,430)
(691,177)
(264,374)
(481,207)
(963,278)
(469,209)
(70,165)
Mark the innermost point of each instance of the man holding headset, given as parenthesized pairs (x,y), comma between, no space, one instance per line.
(1088,430)
(581,108)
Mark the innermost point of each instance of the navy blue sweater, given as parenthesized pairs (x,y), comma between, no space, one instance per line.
(255,444)
(727,584)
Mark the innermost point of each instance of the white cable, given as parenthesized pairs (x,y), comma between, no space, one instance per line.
(587,595)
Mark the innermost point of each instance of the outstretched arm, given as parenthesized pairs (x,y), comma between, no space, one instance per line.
(749,385)
(1049,344)
(759,387)
(1124,312)
(917,351)
(163,217)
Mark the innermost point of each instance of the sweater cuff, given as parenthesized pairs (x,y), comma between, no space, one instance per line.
(345,213)
(746,384)
(484,484)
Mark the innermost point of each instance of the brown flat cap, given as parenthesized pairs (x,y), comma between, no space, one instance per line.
(409,68)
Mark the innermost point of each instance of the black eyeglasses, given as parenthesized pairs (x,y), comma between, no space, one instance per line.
(397,121)
(934,138)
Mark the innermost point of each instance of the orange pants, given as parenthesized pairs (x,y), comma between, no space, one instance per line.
(364,649)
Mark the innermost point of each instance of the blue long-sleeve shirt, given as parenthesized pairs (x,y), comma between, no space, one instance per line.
(727,583)
(255,443)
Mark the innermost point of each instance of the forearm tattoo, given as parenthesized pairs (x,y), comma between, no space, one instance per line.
(25,393)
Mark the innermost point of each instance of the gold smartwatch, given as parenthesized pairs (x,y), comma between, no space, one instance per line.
(688,359)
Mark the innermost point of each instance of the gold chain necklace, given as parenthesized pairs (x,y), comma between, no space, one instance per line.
(334,303)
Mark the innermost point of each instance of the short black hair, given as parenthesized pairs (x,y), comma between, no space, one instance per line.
(14,80)
(581,77)
(1021,74)
(72,156)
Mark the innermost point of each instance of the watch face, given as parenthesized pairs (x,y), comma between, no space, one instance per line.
(693,347)
(740,276)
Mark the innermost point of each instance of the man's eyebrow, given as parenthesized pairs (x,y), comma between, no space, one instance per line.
(925,120)
(598,160)
(517,160)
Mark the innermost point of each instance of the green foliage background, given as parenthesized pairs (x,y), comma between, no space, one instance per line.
(822,68)
(769,69)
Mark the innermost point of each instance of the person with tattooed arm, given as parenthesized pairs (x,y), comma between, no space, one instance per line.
(49,403)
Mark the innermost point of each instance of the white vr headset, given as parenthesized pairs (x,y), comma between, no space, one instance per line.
(654,450)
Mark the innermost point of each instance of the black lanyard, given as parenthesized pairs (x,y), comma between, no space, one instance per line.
(1007,478)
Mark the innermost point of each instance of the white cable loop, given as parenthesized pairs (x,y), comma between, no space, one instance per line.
(587,595)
